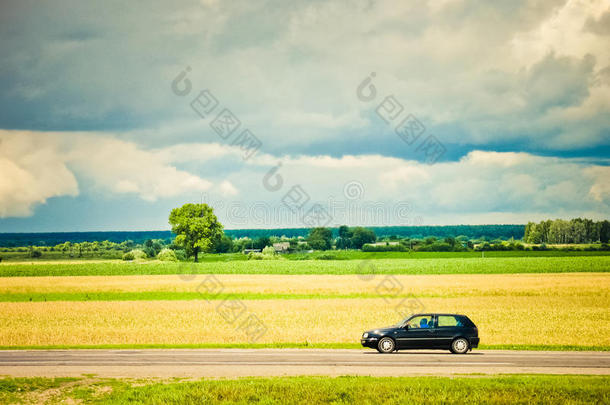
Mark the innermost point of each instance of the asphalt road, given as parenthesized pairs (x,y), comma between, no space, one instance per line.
(277,362)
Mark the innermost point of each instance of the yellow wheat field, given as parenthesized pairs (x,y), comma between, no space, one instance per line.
(579,320)
(562,284)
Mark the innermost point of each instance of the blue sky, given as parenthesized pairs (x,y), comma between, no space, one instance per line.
(513,96)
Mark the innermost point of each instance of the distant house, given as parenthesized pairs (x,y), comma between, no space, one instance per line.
(281,247)
(246,251)
(383,244)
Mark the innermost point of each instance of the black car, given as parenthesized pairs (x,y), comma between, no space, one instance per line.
(425,331)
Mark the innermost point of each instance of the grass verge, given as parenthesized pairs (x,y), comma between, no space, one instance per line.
(510,389)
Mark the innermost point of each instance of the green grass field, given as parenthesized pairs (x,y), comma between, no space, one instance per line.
(488,265)
(313,390)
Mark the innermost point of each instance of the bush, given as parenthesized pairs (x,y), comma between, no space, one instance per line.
(167,255)
(150,252)
(35,253)
(483,246)
(180,254)
(269,250)
(266,255)
(137,254)
(326,256)
(0,258)
(128,256)
(436,247)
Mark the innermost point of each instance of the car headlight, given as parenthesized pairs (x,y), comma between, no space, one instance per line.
(365,335)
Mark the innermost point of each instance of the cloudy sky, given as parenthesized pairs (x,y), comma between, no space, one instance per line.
(360,112)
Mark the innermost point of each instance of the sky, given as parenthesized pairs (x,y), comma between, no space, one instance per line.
(303,113)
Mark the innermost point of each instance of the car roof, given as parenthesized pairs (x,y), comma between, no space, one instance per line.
(436,313)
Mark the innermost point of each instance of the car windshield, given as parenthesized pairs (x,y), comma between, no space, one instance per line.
(417,319)
(404,321)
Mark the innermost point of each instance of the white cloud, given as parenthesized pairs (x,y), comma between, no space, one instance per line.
(117,166)
(30,173)
(36,166)
(510,182)
(227,189)
(566,32)
(195,152)
(600,188)
(492,187)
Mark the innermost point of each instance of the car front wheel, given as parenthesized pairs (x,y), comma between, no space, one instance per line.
(386,345)
(460,346)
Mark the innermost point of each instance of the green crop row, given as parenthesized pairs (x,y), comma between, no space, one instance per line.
(380,266)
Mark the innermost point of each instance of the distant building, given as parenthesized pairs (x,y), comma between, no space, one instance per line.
(246,251)
(383,244)
(281,247)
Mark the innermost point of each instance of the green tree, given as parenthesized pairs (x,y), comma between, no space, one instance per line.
(545,228)
(429,240)
(578,231)
(320,238)
(361,235)
(604,231)
(343,241)
(451,241)
(344,231)
(242,243)
(528,228)
(535,236)
(225,245)
(261,242)
(196,227)
(591,230)
(559,231)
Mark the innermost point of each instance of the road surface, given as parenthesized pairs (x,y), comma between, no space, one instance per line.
(277,362)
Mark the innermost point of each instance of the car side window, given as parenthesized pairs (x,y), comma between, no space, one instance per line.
(420,322)
(448,321)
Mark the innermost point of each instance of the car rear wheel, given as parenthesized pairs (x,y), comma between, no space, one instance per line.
(460,346)
(386,345)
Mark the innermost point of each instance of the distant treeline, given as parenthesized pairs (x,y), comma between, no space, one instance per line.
(414,232)
(577,230)
(489,232)
(56,238)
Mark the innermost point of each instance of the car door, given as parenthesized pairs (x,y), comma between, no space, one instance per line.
(447,327)
(418,333)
